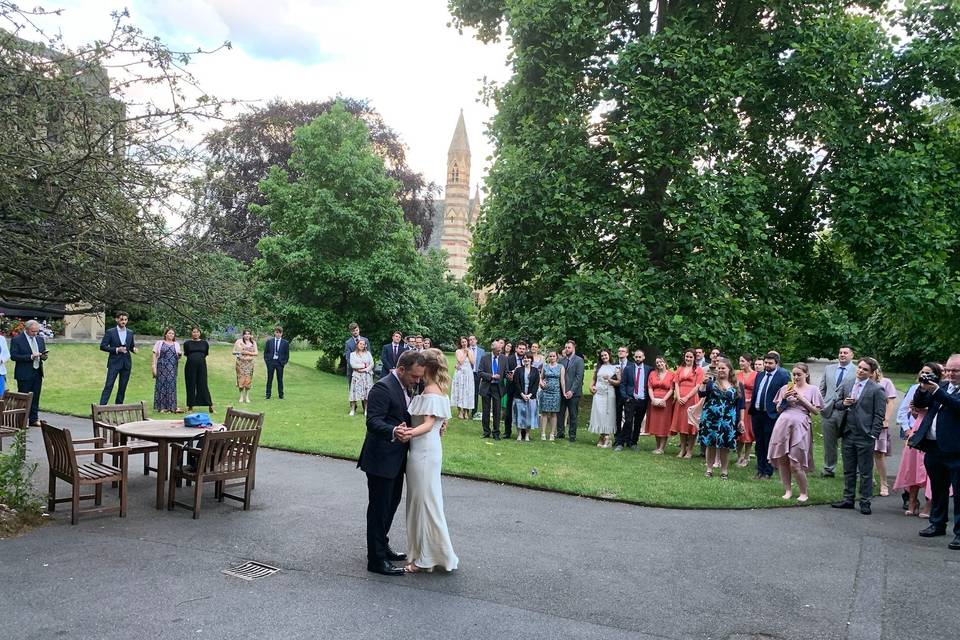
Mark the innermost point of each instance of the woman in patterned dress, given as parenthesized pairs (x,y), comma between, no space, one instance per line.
(245,350)
(746,377)
(551,388)
(361,381)
(462,392)
(166,356)
(720,419)
(686,379)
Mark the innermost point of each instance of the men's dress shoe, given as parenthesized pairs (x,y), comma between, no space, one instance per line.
(634,447)
(486,435)
(932,532)
(384,568)
(619,447)
(865,508)
(843,504)
(955,543)
(35,423)
(394,556)
(827,474)
(496,436)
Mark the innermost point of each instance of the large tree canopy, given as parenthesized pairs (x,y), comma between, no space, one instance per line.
(241,153)
(339,249)
(749,174)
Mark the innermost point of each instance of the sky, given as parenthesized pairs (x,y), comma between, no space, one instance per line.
(398,54)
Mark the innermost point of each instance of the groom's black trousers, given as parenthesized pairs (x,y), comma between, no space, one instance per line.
(384,494)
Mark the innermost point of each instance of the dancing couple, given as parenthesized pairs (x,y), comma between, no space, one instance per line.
(403,437)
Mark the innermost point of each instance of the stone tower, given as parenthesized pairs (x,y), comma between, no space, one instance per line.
(456,236)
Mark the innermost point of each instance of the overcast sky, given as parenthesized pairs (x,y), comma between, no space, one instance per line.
(399,54)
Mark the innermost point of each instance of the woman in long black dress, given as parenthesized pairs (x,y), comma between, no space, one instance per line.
(196,350)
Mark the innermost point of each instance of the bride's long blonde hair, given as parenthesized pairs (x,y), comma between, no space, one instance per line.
(435,369)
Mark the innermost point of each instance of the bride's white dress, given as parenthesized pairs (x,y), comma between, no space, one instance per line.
(428,541)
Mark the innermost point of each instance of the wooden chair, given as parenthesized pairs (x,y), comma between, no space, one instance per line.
(106,417)
(64,464)
(14,413)
(225,455)
(237,420)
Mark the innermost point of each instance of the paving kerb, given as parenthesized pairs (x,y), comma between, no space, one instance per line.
(534,564)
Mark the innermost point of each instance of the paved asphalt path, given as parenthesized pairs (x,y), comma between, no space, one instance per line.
(533,565)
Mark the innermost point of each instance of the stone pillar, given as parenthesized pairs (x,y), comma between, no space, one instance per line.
(88,326)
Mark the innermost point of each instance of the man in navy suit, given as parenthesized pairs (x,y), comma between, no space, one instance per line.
(391,352)
(763,410)
(29,351)
(633,391)
(938,436)
(118,342)
(276,353)
(384,457)
(492,370)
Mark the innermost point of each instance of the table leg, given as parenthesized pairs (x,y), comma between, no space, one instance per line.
(163,451)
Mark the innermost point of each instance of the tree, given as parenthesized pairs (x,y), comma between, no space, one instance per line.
(241,153)
(686,170)
(89,177)
(339,249)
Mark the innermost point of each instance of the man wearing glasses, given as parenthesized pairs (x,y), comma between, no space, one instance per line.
(938,436)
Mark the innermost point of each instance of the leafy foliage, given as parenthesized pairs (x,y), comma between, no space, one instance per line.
(16,485)
(752,174)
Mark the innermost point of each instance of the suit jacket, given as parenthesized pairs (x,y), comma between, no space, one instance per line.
(485,370)
(628,380)
(283,352)
(512,363)
(829,388)
(533,382)
(387,360)
(767,405)
(381,455)
(573,374)
(110,342)
(22,354)
(946,408)
(870,409)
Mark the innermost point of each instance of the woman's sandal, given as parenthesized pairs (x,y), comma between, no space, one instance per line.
(723,476)
(412,568)
(708,474)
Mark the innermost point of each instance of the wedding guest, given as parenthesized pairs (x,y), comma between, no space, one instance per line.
(119,343)
(551,391)
(4,357)
(535,354)
(390,353)
(462,391)
(196,350)
(418,343)
(633,388)
(623,359)
(746,377)
(660,410)
(526,381)
(166,357)
(492,369)
(349,347)
(721,417)
(572,389)
(699,358)
(245,350)
(884,447)
(427,344)
(361,364)
(603,412)
(687,379)
(912,476)
(411,342)
(830,425)
(791,443)
(276,354)
(29,351)
(477,352)
(763,410)
(513,363)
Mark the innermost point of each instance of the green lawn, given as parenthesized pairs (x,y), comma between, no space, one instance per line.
(313,419)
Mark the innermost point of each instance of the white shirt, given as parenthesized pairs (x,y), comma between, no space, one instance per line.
(932,434)
(34,348)
(122,334)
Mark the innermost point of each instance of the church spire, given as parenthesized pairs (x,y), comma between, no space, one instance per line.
(459,145)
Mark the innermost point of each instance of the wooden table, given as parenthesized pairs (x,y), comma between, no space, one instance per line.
(163,432)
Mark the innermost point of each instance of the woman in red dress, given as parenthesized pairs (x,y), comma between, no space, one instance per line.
(660,411)
(686,380)
(747,377)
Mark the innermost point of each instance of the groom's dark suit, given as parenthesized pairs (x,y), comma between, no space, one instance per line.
(383,459)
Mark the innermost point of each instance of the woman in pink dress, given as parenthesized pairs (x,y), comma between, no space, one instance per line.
(790,443)
(912,475)
(883,447)
(687,378)
(746,376)
(660,411)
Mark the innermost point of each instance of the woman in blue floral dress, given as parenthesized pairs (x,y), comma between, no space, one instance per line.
(722,417)
(551,386)
(166,356)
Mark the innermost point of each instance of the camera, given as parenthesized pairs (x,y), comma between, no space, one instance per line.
(928,378)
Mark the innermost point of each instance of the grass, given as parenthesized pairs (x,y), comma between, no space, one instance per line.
(313,419)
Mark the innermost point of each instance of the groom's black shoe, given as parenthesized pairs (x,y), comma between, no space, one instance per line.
(384,568)
(394,556)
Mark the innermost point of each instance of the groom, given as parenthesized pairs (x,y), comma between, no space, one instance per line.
(384,456)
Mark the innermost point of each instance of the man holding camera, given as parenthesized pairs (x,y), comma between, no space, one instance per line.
(938,436)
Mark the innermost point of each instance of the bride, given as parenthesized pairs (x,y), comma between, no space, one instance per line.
(428,541)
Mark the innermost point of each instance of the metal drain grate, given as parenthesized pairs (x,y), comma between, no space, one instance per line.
(251,571)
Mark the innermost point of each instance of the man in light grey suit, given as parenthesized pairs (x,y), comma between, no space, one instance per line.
(833,378)
(573,383)
(864,405)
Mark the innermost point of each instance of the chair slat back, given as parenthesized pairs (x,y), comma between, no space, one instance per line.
(228,451)
(107,416)
(237,420)
(13,400)
(60,453)
(15,409)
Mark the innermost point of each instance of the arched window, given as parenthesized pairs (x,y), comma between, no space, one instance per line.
(455,174)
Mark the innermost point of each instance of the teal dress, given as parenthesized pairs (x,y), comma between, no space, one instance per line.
(550,396)
(718,421)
